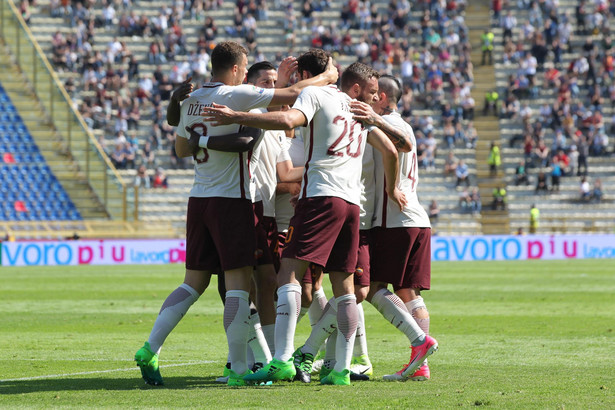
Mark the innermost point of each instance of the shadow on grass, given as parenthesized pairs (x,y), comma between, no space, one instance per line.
(110,384)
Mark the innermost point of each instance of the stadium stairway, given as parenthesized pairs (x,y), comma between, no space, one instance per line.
(43,134)
(487,126)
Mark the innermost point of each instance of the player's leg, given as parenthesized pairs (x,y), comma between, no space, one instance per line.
(361,366)
(289,302)
(173,309)
(347,318)
(237,320)
(419,278)
(199,264)
(307,288)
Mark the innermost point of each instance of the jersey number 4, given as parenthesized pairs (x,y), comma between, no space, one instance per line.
(202,129)
(333,147)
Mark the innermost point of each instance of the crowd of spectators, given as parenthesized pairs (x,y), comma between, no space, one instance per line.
(570,126)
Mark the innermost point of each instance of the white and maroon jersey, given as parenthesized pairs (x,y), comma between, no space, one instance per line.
(368,189)
(334,145)
(217,173)
(283,208)
(387,213)
(270,150)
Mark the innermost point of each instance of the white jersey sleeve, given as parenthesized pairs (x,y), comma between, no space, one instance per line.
(387,213)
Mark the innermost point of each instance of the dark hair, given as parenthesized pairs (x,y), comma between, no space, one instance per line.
(357,73)
(256,68)
(225,55)
(314,61)
(391,87)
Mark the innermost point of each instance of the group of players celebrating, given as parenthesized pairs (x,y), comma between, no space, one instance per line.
(356,217)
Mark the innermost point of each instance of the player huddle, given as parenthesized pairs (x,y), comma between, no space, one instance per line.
(355,216)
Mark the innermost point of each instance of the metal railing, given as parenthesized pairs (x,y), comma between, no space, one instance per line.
(118,198)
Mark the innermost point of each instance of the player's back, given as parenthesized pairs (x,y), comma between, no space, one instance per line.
(413,213)
(334,144)
(217,173)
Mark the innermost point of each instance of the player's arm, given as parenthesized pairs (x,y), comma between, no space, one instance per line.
(292,188)
(288,173)
(179,94)
(241,141)
(276,120)
(288,95)
(363,112)
(381,142)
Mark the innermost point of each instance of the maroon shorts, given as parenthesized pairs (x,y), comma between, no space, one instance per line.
(263,254)
(361,273)
(324,231)
(219,233)
(401,257)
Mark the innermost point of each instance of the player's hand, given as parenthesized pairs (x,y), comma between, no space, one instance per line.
(183,90)
(399,198)
(286,69)
(218,114)
(363,112)
(193,141)
(331,72)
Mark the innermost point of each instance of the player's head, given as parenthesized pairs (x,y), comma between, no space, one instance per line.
(228,62)
(312,63)
(360,81)
(389,92)
(262,74)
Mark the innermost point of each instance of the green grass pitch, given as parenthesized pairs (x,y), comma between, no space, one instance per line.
(533,334)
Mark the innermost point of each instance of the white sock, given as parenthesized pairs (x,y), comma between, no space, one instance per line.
(237,327)
(172,311)
(394,310)
(319,301)
(347,318)
(412,306)
(324,328)
(289,304)
(360,342)
(302,313)
(257,342)
(269,332)
(329,360)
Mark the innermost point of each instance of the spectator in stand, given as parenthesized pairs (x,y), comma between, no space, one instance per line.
(541,153)
(534,218)
(475,201)
(450,164)
(462,173)
(584,190)
(434,211)
(118,156)
(583,148)
(541,184)
(556,173)
(142,179)
(597,191)
(494,159)
(499,199)
(521,176)
(159,180)
(465,200)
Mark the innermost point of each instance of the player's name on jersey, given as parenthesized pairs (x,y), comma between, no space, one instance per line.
(197,108)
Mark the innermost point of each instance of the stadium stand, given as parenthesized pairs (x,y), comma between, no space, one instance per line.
(29,190)
(555,75)
(60,34)
(119,66)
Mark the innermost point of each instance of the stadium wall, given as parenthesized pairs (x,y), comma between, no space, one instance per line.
(443,248)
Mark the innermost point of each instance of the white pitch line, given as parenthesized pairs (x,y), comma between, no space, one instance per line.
(58,376)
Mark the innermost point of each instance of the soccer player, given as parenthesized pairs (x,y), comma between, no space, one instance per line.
(401,246)
(361,367)
(324,229)
(220,219)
